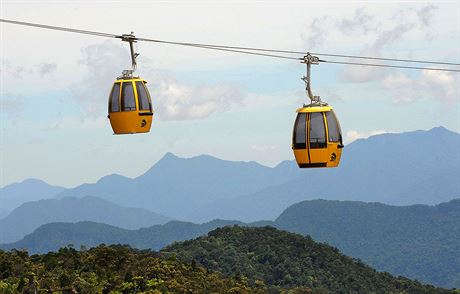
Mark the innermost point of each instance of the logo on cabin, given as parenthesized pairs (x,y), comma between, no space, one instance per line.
(333,157)
(143,123)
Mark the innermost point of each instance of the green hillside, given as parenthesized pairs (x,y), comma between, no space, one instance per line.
(417,241)
(110,269)
(285,260)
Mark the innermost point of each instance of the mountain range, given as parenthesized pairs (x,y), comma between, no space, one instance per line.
(52,236)
(31,215)
(419,167)
(419,241)
(12,196)
(176,186)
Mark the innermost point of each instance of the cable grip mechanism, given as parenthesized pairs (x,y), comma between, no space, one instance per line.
(309,60)
(131,39)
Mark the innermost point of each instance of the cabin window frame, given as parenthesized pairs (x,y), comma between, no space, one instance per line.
(122,97)
(317,145)
(338,132)
(142,84)
(298,144)
(118,98)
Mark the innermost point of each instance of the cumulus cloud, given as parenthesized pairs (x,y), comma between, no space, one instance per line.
(176,101)
(431,84)
(46,69)
(317,32)
(360,23)
(263,148)
(353,135)
(379,34)
(172,99)
(23,72)
(426,15)
(12,103)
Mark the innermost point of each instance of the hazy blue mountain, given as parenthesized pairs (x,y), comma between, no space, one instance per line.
(31,215)
(418,241)
(3,213)
(51,237)
(420,167)
(12,196)
(176,186)
(407,168)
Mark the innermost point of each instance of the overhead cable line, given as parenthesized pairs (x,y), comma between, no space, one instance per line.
(29,24)
(253,51)
(302,52)
(391,66)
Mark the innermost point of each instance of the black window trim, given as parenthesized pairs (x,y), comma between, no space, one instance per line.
(294,143)
(118,97)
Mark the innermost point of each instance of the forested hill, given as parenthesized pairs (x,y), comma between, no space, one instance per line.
(417,241)
(113,269)
(283,260)
(228,260)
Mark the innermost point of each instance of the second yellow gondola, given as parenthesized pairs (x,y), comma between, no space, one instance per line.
(317,138)
(130,106)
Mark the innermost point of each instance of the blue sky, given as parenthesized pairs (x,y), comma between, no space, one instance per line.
(54,85)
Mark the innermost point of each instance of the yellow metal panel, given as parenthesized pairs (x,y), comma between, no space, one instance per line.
(314,109)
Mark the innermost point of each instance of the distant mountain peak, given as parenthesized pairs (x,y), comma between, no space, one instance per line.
(441,130)
(169,155)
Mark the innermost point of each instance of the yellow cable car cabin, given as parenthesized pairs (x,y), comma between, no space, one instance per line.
(130,106)
(317,138)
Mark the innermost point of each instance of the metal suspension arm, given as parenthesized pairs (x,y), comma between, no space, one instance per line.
(309,60)
(130,38)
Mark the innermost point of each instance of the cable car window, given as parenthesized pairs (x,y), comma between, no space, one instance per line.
(300,140)
(114,102)
(143,97)
(317,130)
(333,127)
(128,103)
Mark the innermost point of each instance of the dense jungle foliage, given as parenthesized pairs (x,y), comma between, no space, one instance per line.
(228,260)
(284,260)
(111,269)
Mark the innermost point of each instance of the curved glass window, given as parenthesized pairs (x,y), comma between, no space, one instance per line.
(114,103)
(300,137)
(317,130)
(333,127)
(128,103)
(143,97)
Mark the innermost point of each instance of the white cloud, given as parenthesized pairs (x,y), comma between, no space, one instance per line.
(11,103)
(262,148)
(360,23)
(377,33)
(436,85)
(353,135)
(176,101)
(426,14)
(46,69)
(317,32)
